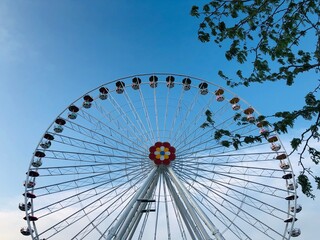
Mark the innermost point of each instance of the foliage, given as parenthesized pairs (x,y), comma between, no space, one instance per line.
(267,30)
(303,180)
(270,36)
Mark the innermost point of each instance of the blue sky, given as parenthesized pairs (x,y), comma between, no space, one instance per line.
(52,52)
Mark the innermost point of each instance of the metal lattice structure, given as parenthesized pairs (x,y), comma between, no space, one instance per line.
(130,160)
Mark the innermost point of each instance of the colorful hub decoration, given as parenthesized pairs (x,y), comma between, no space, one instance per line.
(162,153)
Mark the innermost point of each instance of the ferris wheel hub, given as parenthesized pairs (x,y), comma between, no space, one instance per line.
(162,153)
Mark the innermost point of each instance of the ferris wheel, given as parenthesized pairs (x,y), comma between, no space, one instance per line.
(131,159)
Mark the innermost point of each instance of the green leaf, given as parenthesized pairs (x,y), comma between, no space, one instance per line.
(203,36)
(206,8)
(209,120)
(194,11)
(295,142)
(203,25)
(225,143)
(222,26)
(248,139)
(310,99)
(237,116)
(317,180)
(306,186)
(208,113)
(314,155)
(204,125)
(236,143)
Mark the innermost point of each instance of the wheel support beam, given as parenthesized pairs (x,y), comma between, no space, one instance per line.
(194,210)
(131,216)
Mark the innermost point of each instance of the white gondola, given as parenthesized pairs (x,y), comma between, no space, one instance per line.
(220,98)
(272,139)
(290,219)
(25,231)
(87,103)
(291,186)
(186,84)
(235,107)
(72,115)
(250,118)
(46,141)
(23,207)
(73,112)
(275,147)
(58,128)
(219,95)
(291,197)
(281,156)
(235,103)
(39,154)
(153,81)
(29,184)
(29,195)
(103,95)
(264,131)
(170,81)
(30,218)
(296,208)
(45,144)
(136,83)
(294,232)
(203,88)
(249,112)
(120,87)
(32,173)
(287,176)
(37,163)
(284,166)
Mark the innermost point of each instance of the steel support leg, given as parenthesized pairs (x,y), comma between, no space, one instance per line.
(195,209)
(127,217)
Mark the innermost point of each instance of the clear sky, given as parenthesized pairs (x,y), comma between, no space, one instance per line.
(52,52)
